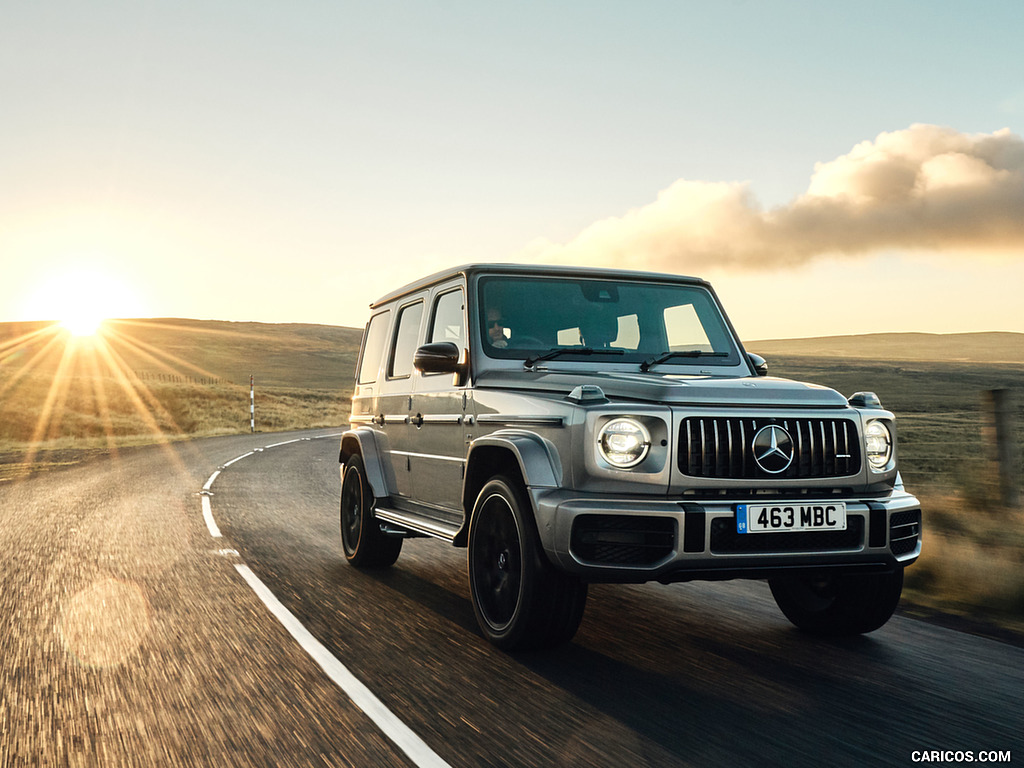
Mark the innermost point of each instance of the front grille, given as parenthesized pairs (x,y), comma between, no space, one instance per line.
(904,531)
(722,447)
(725,539)
(623,539)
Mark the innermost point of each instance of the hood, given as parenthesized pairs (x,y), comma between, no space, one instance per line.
(764,391)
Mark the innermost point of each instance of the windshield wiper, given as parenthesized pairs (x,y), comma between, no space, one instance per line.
(646,365)
(559,351)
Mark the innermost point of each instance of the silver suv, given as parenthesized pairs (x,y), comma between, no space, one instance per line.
(570,426)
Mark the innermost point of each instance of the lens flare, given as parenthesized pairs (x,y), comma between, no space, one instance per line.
(82,325)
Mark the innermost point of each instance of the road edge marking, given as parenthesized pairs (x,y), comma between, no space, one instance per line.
(237,458)
(209,483)
(397,731)
(211,524)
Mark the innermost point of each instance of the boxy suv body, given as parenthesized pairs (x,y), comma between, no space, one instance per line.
(571,426)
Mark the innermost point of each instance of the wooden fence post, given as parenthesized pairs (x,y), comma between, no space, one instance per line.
(998,434)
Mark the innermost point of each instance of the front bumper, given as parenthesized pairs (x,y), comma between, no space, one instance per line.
(619,539)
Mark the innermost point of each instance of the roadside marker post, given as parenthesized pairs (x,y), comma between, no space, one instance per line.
(252,404)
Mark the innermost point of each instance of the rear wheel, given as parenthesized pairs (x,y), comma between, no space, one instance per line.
(520,600)
(365,545)
(838,605)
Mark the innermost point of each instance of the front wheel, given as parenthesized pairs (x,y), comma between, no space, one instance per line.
(520,601)
(365,545)
(838,605)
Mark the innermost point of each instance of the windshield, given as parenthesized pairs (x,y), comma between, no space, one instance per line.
(630,321)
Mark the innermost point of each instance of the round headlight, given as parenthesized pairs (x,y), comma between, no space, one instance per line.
(624,442)
(878,444)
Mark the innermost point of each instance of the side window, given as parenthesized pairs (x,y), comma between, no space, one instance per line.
(405,341)
(448,323)
(373,347)
(685,330)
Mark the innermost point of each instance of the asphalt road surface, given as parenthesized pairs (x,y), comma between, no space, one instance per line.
(129,635)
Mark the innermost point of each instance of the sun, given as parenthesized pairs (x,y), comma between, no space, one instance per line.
(80,300)
(82,325)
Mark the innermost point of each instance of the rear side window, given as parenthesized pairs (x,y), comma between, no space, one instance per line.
(406,335)
(373,347)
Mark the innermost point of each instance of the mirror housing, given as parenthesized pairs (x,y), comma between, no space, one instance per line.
(439,357)
(865,400)
(758,363)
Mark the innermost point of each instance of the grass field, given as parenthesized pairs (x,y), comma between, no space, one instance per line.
(167,379)
(155,380)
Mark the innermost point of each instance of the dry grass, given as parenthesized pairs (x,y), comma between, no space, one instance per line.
(48,421)
(93,414)
(972,562)
(154,381)
(178,412)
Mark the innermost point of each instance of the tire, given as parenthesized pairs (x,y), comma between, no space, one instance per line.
(365,545)
(838,606)
(520,600)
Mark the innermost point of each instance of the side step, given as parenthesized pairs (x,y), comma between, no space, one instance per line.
(433,528)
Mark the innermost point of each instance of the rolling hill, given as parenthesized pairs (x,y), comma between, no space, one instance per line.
(282,355)
(995,347)
(144,381)
(322,357)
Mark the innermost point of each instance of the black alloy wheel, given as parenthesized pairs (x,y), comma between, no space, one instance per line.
(365,545)
(520,600)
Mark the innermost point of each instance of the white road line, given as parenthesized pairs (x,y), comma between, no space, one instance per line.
(286,442)
(208,517)
(403,737)
(237,458)
(412,745)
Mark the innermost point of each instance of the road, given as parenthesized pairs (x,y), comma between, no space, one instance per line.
(128,636)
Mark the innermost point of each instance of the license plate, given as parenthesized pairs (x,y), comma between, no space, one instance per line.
(782,517)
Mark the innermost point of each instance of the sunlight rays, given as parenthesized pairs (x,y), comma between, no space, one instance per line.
(133,389)
(51,346)
(162,359)
(100,394)
(69,390)
(57,394)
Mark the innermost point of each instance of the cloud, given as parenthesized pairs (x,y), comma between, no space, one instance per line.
(923,188)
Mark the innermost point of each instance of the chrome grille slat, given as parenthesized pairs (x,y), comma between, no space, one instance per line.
(743,449)
(703,448)
(720,447)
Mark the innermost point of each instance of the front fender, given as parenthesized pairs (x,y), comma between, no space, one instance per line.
(364,442)
(536,456)
(510,452)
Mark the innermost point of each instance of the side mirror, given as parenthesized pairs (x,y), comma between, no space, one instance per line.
(865,400)
(759,364)
(438,357)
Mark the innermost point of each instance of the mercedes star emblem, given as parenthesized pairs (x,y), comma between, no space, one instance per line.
(773,449)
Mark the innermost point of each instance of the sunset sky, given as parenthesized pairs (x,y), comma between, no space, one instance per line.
(833,168)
